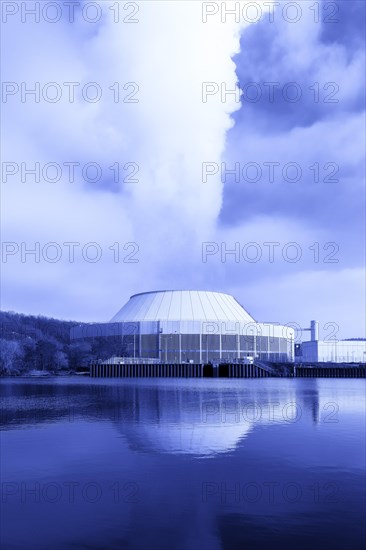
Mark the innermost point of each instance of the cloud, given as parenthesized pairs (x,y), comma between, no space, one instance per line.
(333,298)
(150,119)
(299,165)
(163,218)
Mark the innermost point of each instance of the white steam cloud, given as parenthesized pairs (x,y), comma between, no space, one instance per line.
(169,53)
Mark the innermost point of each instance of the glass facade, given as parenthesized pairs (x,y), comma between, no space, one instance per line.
(205,348)
(150,340)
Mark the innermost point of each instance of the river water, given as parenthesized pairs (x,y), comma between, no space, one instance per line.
(182,464)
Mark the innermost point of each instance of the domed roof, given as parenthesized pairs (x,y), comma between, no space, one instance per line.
(182,305)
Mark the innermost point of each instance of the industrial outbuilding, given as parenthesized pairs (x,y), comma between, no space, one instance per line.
(191,326)
(331,351)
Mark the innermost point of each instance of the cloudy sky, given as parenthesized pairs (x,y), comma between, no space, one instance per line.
(175,145)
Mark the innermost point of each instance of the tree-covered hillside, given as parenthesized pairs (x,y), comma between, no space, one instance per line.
(39,343)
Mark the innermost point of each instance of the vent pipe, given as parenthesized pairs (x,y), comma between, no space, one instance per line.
(314,331)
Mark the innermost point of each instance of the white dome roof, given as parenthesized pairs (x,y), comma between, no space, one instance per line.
(182,305)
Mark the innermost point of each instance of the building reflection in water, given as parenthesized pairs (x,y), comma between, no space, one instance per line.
(201,419)
(204,455)
(204,422)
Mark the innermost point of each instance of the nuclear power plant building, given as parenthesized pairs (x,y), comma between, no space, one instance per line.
(185,326)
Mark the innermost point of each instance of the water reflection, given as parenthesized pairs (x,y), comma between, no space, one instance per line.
(204,422)
(200,419)
(182,465)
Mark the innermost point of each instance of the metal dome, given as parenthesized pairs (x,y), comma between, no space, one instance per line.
(182,305)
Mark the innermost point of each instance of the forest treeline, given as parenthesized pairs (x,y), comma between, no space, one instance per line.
(30,342)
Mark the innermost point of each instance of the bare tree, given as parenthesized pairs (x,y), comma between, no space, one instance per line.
(10,354)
